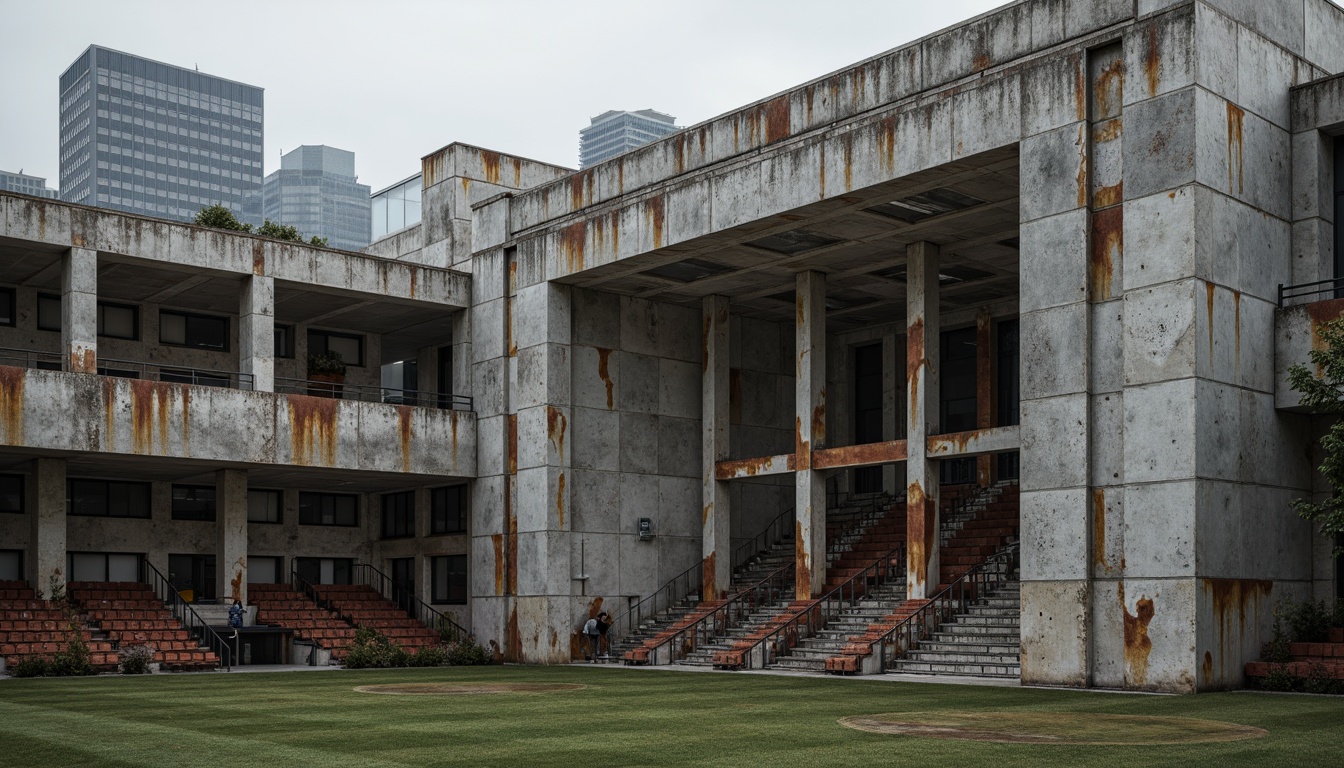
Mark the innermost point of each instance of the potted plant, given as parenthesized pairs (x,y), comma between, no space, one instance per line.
(326,374)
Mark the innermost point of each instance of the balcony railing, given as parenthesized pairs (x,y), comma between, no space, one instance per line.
(1317,291)
(373,394)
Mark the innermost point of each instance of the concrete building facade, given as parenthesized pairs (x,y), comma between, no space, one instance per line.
(1046,244)
(158,140)
(317,191)
(616,132)
(27,185)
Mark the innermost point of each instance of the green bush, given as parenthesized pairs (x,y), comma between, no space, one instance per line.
(1318,680)
(135,659)
(75,660)
(1279,679)
(372,650)
(220,217)
(467,652)
(429,656)
(1307,622)
(1279,648)
(31,666)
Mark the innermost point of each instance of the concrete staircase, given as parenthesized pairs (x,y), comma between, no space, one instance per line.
(983,641)
(811,653)
(129,613)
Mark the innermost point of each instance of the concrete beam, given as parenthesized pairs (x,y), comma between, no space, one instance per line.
(79,310)
(810,433)
(867,455)
(977,442)
(737,469)
(716,520)
(922,387)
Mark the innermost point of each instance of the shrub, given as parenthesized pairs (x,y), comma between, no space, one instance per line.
(326,362)
(220,217)
(135,659)
(467,653)
(429,656)
(1318,680)
(75,660)
(1279,679)
(1307,622)
(1279,648)
(372,649)
(31,666)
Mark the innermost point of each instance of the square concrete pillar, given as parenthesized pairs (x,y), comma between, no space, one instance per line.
(810,433)
(716,531)
(921,365)
(48,521)
(231,534)
(79,310)
(256,332)
(984,390)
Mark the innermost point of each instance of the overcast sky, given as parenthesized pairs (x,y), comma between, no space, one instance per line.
(393,80)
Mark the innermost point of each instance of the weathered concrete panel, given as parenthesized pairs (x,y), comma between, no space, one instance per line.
(1054,435)
(1323,28)
(1160,529)
(1055,535)
(1055,632)
(1242,155)
(1161,332)
(1159,55)
(1159,144)
(1053,351)
(1160,422)
(1054,261)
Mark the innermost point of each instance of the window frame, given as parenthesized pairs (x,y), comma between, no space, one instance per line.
(398,515)
(135,320)
(438,518)
(107,498)
(187,317)
(448,597)
(325,346)
(306,513)
(208,515)
(279,496)
(284,332)
(23,498)
(49,297)
(13,307)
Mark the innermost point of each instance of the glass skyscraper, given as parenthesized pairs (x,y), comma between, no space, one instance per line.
(317,192)
(614,132)
(154,139)
(28,185)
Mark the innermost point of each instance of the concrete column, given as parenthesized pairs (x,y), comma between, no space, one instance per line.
(716,532)
(231,534)
(79,310)
(48,521)
(256,332)
(810,433)
(893,475)
(984,390)
(921,365)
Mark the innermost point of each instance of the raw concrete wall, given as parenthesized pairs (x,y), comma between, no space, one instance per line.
(75,412)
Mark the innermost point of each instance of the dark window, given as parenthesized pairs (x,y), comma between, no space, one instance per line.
(957,401)
(183,329)
(450,579)
(118,321)
(324,570)
(264,507)
(194,502)
(108,498)
(328,509)
(193,576)
(868,411)
(11,493)
(399,515)
(103,566)
(448,509)
(48,312)
(7,306)
(265,570)
(1008,392)
(350,346)
(284,341)
(445,377)
(11,565)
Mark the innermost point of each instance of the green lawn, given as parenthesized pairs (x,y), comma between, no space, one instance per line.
(622,717)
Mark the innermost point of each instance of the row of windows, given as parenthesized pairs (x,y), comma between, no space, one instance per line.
(113,498)
(182,329)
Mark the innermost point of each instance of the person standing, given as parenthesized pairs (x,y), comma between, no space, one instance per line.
(603,644)
(594,636)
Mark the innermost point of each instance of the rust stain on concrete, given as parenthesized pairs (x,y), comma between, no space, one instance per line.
(517,172)
(312,429)
(580,189)
(511,542)
(560,500)
(258,258)
(849,161)
(1207,667)
(453,421)
(819,423)
(802,448)
(654,212)
(556,424)
(573,239)
(1108,88)
(603,362)
(490,163)
(404,433)
(1081,180)
(864,455)
(1152,60)
(914,360)
(1106,249)
(802,563)
(1209,290)
(511,443)
(1233,601)
(1236,177)
(709,587)
(886,145)
(513,650)
(1138,646)
(12,382)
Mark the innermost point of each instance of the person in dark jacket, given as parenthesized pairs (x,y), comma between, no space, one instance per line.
(236,612)
(603,624)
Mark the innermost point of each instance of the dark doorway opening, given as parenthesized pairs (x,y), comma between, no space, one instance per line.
(193,576)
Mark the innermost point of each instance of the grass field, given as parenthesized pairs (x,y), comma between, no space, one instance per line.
(620,717)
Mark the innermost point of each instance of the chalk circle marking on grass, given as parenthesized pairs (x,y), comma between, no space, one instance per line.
(465,689)
(1053,728)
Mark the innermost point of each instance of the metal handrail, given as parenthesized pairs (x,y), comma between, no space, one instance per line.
(826,609)
(111,366)
(1333,286)
(364,573)
(691,581)
(369,393)
(30,358)
(182,610)
(725,616)
(976,583)
(303,587)
(774,532)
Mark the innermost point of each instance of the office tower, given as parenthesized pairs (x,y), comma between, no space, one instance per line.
(26,185)
(615,132)
(158,140)
(317,192)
